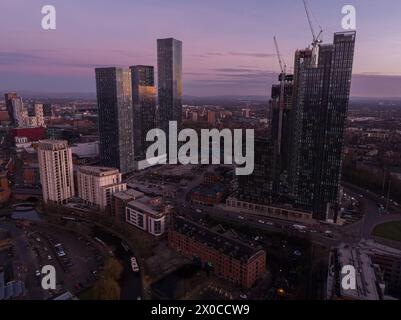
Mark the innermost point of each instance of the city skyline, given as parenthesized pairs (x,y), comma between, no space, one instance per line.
(229,50)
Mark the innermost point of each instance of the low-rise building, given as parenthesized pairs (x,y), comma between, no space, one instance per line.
(121,200)
(276,212)
(231,259)
(368,281)
(389,260)
(208,194)
(148,214)
(5,190)
(12,289)
(96,185)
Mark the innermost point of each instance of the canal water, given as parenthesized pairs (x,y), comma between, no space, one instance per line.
(131,286)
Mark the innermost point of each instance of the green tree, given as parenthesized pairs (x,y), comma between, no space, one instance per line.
(112,269)
(106,289)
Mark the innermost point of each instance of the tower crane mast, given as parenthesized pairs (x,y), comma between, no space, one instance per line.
(316,38)
(283,70)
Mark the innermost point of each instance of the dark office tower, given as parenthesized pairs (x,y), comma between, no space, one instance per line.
(282,125)
(169,64)
(144,107)
(114,98)
(8,97)
(322,98)
(257,187)
(47,110)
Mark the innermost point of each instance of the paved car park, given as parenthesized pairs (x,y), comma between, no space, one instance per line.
(77,259)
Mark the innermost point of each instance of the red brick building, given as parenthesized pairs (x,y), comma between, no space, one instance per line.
(33,134)
(228,258)
(211,178)
(207,195)
(5,191)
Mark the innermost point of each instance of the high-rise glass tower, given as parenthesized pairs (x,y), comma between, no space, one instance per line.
(144,107)
(169,63)
(8,97)
(300,165)
(282,125)
(15,108)
(114,98)
(321,97)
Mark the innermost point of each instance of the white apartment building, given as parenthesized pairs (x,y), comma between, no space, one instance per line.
(96,185)
(40,119)
(56,173)
(147,214)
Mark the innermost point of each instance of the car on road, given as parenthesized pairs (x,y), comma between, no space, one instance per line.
(297,253)
(49,257)
(37,273)
(261,221)
(241,218)
(299,227)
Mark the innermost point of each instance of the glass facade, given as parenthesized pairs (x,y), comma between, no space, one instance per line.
(169,62)
(114,97)
(301,163)
(322,99)
(144,107)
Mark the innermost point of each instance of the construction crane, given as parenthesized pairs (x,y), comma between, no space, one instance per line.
(316,38)
(283,69)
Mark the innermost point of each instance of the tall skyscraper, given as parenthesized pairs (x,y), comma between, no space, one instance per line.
(322,97)
(169,63)
(8,97)
(56,173)
(38,114)
(114,98)
(300,164)
(144,107)
(15,108)
(47,110)
(257,187)
(282,131)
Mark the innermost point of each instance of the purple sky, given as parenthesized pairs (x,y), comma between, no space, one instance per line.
(227,44)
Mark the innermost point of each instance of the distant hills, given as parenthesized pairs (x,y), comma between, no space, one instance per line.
(187,99)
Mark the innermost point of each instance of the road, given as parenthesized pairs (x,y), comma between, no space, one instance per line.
(371,217)
(350,233)
(260,222)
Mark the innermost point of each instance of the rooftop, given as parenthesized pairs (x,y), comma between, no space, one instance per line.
(222,243)
(367,281)
(98,171)
(129,194)
(147,205)
(53,145)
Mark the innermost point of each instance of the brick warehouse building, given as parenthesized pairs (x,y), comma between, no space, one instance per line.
(230,258)
(33,134)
